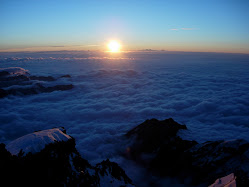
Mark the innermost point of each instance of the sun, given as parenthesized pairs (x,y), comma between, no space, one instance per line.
(114,46)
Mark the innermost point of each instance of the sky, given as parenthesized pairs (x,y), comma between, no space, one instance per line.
(174,25)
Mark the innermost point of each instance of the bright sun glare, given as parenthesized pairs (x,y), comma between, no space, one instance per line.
(114,46)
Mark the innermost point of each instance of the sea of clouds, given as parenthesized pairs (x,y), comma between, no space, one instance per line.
(209,92)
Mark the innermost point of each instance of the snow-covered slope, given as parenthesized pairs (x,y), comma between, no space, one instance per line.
(57,164)
(227,181)
(36,141)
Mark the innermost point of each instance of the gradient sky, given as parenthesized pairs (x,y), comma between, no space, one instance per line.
(182,25)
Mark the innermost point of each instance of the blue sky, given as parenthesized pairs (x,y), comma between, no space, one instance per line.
(186,25)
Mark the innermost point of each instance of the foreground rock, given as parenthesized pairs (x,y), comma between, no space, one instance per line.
(219,158)
(49,158)
(18,81)
(155,144)
(158,147)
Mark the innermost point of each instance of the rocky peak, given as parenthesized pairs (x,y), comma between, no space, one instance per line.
(49,158)
(156,145)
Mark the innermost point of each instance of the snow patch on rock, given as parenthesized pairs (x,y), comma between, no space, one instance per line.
(36,141)
(15,71)
(227,181)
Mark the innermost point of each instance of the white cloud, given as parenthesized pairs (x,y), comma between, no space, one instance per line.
(207,92)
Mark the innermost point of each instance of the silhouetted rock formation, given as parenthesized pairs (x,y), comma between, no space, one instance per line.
(215,159)
(155,144)
(158,147)
(17,81)
(4,73)
(56,164)
(3,93)
(38,88)
(42,78)
(65,76)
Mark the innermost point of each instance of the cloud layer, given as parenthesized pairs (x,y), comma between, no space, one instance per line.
(207,92)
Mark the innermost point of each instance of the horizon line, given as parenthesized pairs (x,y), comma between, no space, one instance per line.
(125,51)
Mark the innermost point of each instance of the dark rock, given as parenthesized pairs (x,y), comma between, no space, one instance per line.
(7,81)
(106,167)
(65,76)
(3,93)
(19,82)
(15,78)
(167,127)
(35,89)
(42,78)
(158,148)
(172,159)
(9,78)
(214,159)
(58,164)
(4,73)
(155,144)
(152,134)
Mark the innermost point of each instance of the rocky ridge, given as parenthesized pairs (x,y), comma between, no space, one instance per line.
(18,81)
(156,145)
(53,160)
(50,157)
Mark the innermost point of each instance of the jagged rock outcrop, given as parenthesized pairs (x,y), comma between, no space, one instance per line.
(38,88)
(49,158)
(214,159)
(155,144)
(115,174)
(18,81)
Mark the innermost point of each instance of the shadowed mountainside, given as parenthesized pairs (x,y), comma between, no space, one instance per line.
(57,163)
(50,157)
(156,145)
